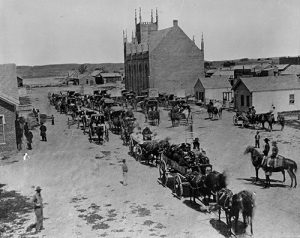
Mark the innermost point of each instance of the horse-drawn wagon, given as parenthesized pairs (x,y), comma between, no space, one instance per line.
(183,168)
(97,128)
(144,147)
(127,128)
(151,111)
(115,119)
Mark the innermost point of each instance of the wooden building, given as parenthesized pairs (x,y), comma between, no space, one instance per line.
(216,88)
(283,92)
(165,59)
(9,100)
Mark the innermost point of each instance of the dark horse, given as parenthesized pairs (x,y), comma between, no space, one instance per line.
(213,112)
(287,164)
(206,185)
(243,202)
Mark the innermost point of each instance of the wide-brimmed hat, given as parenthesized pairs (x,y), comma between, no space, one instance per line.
(274,142)
(266,140)
(38,188)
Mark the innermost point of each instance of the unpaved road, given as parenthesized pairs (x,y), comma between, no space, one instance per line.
(84,197)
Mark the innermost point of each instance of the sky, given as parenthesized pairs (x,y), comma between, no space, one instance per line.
(38,32)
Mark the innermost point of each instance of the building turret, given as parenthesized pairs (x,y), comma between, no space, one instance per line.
(202,43)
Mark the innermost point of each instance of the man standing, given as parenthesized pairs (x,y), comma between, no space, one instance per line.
(26,129)
(52,119)
(29,137)
(38,209)
(265,162)
(257,138)
(43,130)
(125,171)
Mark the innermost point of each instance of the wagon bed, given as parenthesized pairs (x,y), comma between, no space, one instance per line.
(169,168)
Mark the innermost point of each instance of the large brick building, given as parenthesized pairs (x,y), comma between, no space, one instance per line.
(9,99)
(164,59)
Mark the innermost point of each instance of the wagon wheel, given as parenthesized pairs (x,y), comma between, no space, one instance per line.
(234,120)
(138,152)
(178,189)
(163,173)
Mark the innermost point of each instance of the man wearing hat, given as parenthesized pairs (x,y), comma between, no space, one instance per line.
(125,171)
(265,161)
(274,153)
(196,144)
(265,151)
(38,209)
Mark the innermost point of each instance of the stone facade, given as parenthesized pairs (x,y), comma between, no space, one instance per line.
(8,140)
(164,59)
(9,99)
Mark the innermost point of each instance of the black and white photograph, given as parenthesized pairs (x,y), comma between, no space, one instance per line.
(148,118)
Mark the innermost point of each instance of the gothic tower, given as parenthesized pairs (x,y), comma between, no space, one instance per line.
(143,29)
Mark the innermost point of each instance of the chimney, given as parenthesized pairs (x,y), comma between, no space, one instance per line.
(175,22)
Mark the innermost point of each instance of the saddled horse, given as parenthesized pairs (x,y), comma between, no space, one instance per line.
(243,202)
(286,164)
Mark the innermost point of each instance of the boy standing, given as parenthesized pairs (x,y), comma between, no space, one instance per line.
(125,171)
(257,138)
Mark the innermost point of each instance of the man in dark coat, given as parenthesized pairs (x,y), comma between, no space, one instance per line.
(43,130)
(26,128)
(29,137)
(265,162)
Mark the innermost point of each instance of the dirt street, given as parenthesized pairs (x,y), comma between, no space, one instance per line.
(84,197)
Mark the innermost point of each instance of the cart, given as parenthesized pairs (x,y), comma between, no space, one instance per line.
(171,169)
(115,119)
(137,149)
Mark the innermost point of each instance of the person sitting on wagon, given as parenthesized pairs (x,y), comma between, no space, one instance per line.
(147,134)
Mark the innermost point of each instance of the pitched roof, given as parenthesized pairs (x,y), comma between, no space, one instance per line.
(281,66)
(215,82)
(292,69)
(95,73)
(9,84)
(270,83)
(157,36)
(110,75)
(224,73)
(246,66)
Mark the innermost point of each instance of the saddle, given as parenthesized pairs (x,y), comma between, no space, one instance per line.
(275,162)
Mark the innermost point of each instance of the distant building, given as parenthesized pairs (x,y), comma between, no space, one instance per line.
(292,70)
(164,59)
(283,92)
(9,100)
(214,88)
(110,77)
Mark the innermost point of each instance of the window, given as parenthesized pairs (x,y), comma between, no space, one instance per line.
(2,122)
(292,98)
(248,101)
(242,101)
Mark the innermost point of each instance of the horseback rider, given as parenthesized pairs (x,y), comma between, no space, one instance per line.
(265,162)
(265,151)
(274,153)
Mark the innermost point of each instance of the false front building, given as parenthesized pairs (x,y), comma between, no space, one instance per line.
(164,59)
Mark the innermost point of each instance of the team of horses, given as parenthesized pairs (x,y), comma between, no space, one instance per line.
(255,120)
